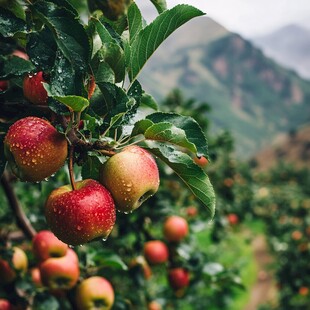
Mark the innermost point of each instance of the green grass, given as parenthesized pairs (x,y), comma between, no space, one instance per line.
(236,251)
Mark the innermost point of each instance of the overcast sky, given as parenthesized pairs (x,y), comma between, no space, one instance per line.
(251,17)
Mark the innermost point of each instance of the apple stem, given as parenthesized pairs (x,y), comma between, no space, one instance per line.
(21,219)
(71,172)
(107,153)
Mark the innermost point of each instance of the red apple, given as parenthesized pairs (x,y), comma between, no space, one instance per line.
(201,161)
(4,85)
(5,304)
(94,293)
(45,245)
(156,252)
(175,228)
(131,176)
(35,149)
(154,305)
(232,219)
(19,262)
(34,90)
(191,211)
(140,261)
(178,278)
(60,272)
(81,215)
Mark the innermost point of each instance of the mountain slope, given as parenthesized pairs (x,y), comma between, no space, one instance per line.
(289,46)
(293,148)
(249,94)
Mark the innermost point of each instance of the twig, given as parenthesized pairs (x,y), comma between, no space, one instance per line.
(71,172)
(21,219)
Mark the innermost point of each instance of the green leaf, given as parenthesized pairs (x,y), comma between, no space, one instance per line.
(104,74)
(75,103)
(167,132)
(64,80)
(149,101)
(191,174)
(93,124)
(69,34)
(173,128)
(43,301)
(41,48)
(212,269)
(13,66)
(64,4)
(149,38)
(102,31)
(192,129)
(140,127)
(114,101)
(161,5)
(134,21)
(15,7)
(90,170)
(10,24)
(114,261)
(135,91)
(113,55)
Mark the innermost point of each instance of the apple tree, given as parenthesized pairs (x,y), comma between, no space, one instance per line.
(80,139)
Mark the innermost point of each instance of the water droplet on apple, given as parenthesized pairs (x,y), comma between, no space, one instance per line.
(78,227)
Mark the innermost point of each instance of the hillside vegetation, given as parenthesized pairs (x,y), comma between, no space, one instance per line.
(249,94)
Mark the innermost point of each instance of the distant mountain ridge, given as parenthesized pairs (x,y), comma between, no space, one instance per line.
(250,95)
(289,46)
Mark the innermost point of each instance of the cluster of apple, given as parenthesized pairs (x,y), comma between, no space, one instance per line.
(57,270)
(156,252)
(84,210)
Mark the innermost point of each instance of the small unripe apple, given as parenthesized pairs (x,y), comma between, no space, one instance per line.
(5,304)
(34,149)
(131,176)
(156,252)
(233,219)
(60,272)
(45,245)
(94,293)
(4,85)
(34,90)
(178,278)
(19,262)
(82,215)
(175,228)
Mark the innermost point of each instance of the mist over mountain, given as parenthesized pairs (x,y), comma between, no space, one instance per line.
(289,46)
(250,94)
